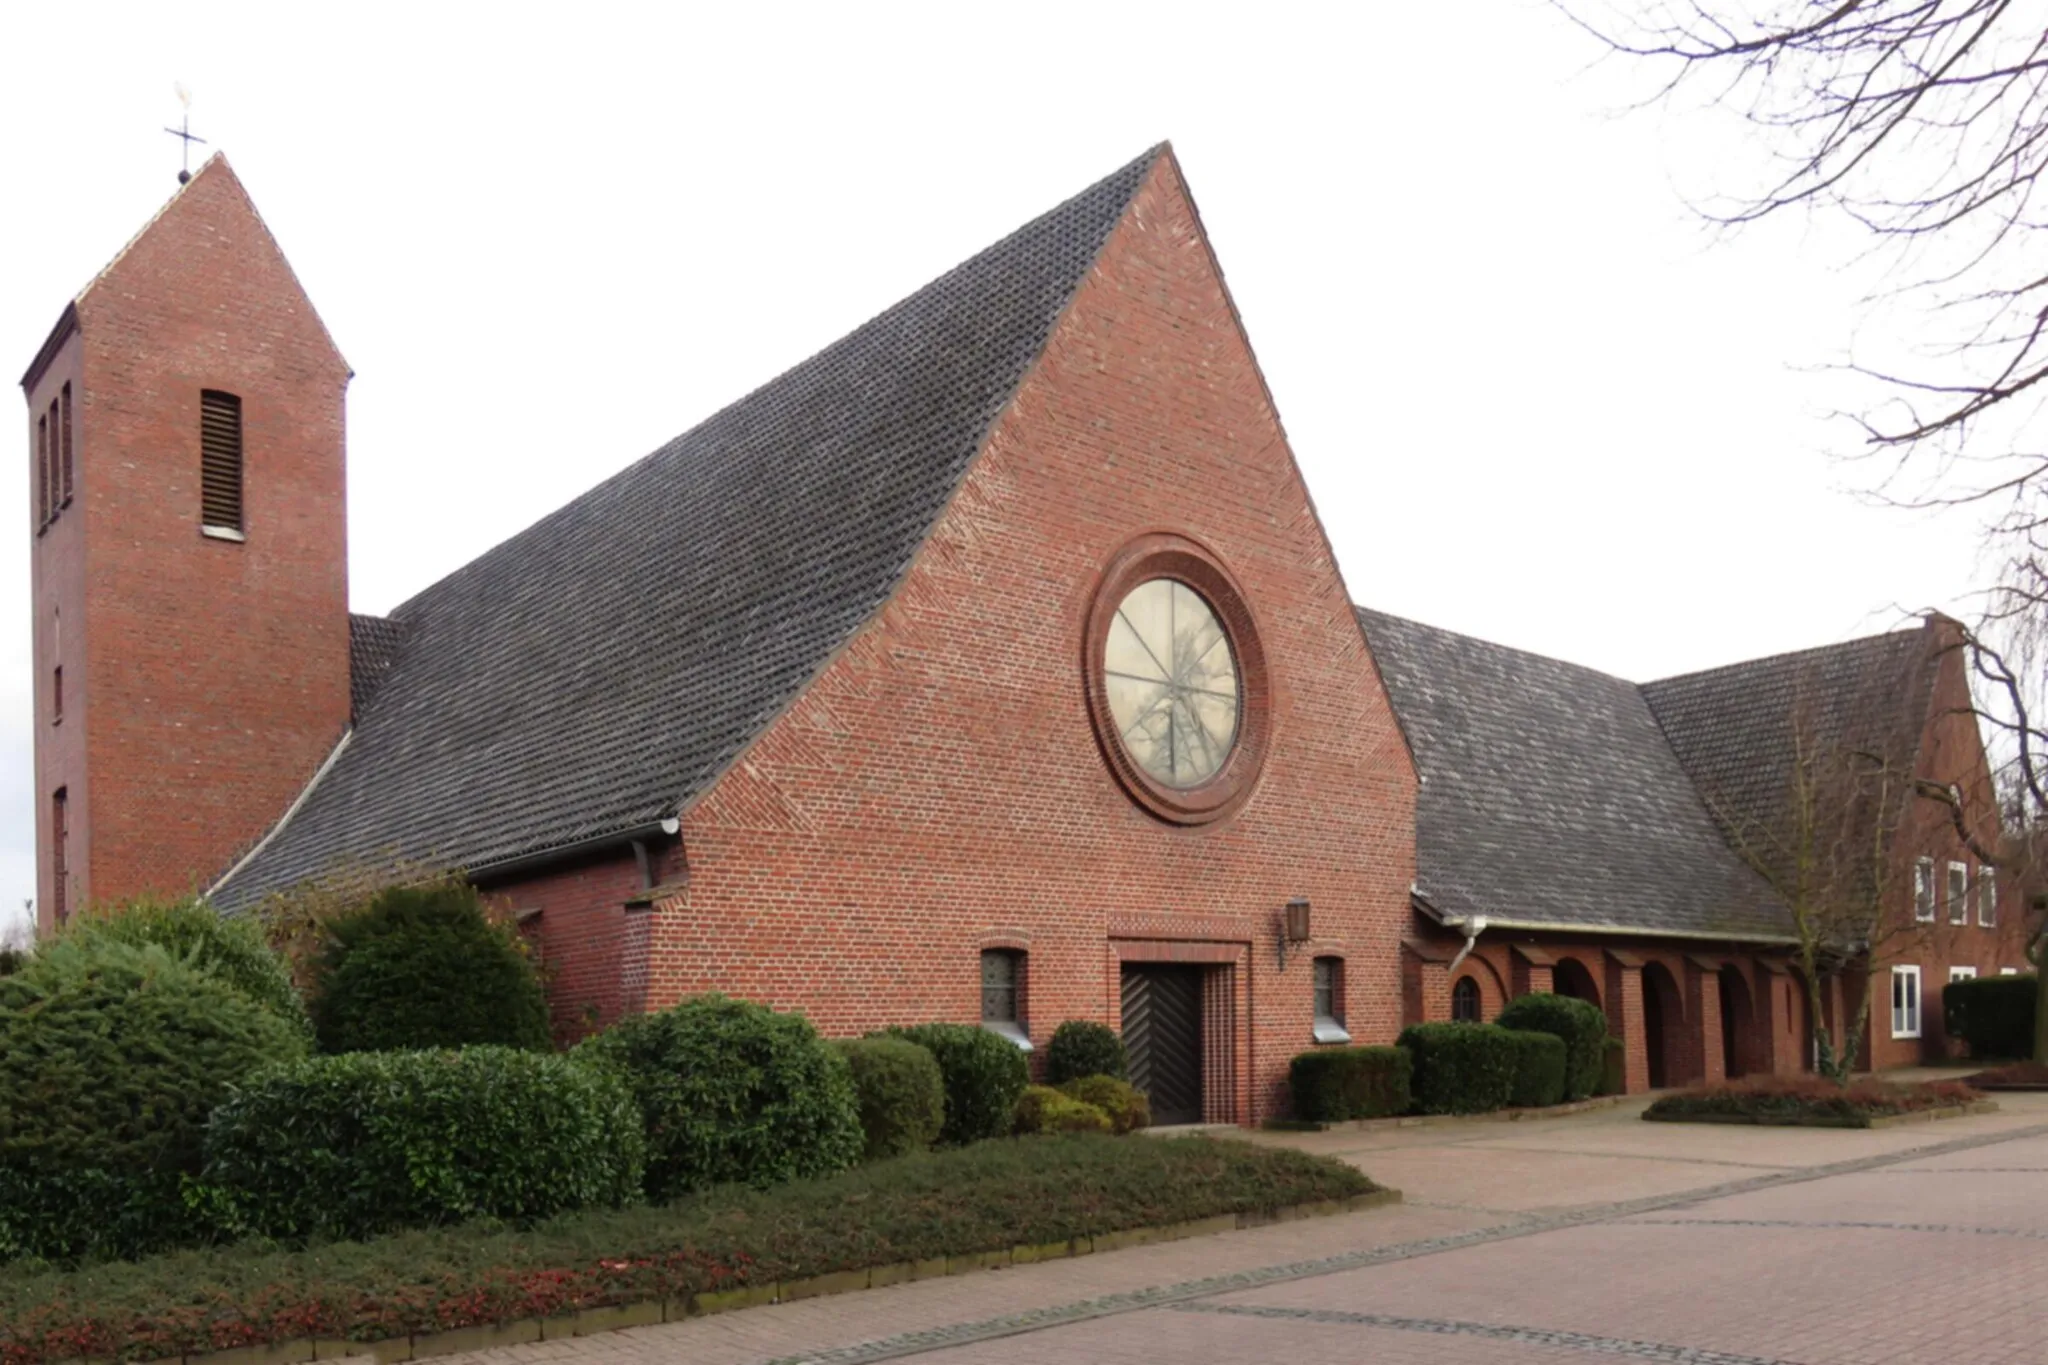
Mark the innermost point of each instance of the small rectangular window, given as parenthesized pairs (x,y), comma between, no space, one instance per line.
(1329,1001)
(1002,995)
(57,695)
(220,461)
(1987,897)
(1923,890)
(64,444)
(1905,1002)
(42,472)
(1958,893)
(1962,974)
(60,836)
(2008,971)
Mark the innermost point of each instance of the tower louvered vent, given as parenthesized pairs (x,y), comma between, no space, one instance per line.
(220,460)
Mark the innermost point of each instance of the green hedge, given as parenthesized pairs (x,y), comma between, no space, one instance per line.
(1580,1023)
(1128,1107)
(989,1197)
(1080,1048)
(901,1093)
(1613,1067)
(1042,1110)
(371,1142)
(1539,1069)
(111,1058)
(423,967)
(1993,1014)
(1332,1084)
(1461,1068)
(985,1074)
(1808,1100)
(234,950)
(733,1092)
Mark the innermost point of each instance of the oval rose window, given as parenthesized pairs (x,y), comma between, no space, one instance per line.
(1171,678)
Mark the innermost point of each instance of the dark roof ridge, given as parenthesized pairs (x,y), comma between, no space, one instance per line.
(1787,656)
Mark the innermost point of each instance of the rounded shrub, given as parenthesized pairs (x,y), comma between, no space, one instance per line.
(1128,1107)
(233,950)
(1993,1014)
(1613,1067)
(1539,1069)
(902,1096)
(1081,1048)
(731,1092)
(1332,1084)
(1580,1023)
(350,1146)
(985,1073)
(423,967)
(1461,1068)
(111,1058)
(1042,1110)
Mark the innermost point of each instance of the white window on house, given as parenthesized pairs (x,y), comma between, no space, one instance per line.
(1923,890)
(1962,974)
(1987,897)
(1329,1007)
(2008,971)
(1905,1002)
(1958,893)
(1002,995)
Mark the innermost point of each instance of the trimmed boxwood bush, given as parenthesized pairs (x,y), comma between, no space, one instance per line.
(733,1092)
(1539,1069)
(111,1058)
(1993,1014)
(902,1096)
(1080,1048)
(1613,1067)
(423,967)
(1336,1083)
(347,1147)
(1461,1068)
(985,1073)
(1042,1110)
(1128,1107)
(233,950)
(1580,1023)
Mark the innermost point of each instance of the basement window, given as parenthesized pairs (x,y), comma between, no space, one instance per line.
(220,465)
(1923,891)
(1002,995)
(1329,1001)
(1958,893)
(1905,1002)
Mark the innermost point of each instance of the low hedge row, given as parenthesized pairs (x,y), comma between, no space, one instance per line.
(985,1075)
(947,1203)
(1334,1084)
(1449,1068)
(1580,1024)
(1795,1099)
(1539,1069)
(1993,1014)
(1461,1068)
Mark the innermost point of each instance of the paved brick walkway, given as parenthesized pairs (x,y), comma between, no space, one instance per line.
(1556,1240)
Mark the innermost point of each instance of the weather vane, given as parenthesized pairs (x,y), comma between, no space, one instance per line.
(184,131)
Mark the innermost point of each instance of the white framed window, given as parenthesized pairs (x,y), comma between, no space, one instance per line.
(1958,893)
(2008,971)
(1962,974)
(1905,1002)
(1923,890)
(1987,897)
(1002,995)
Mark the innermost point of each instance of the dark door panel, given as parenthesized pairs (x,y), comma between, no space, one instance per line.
(1163,1034)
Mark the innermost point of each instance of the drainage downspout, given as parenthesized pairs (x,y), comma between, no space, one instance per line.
(1474,927)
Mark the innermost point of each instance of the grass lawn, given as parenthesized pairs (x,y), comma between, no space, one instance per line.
(987,1197)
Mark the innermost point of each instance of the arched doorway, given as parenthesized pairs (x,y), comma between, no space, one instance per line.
(1663,1023)
(1570,977)
(1738,1022)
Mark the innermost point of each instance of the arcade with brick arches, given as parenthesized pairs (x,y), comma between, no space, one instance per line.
(992,664)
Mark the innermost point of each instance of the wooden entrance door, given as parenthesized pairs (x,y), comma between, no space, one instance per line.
(1163,1034)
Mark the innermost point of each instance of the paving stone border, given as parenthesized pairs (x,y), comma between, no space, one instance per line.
(591,1321)
(1946,1111)
(1551,1111)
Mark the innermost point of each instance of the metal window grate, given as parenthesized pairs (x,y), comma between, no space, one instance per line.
(999,986)
(220,460)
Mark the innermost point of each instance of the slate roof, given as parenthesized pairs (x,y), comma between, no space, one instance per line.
(594,672)
(1733,728)
(373,643)
(1550,796)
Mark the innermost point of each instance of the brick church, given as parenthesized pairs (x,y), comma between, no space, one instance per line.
(991,663)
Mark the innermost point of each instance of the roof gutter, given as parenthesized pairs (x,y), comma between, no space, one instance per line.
(1618,930)
(665,828)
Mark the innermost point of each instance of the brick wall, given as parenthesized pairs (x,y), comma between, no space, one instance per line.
(204,680)
(939,789)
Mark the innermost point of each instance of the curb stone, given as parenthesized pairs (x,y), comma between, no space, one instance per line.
(1553,1111)
(591,1321)
(1947,1111)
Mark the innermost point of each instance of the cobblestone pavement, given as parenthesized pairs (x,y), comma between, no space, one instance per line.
(1551,1241)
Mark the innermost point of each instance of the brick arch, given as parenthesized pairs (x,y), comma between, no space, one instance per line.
(1493,991)
(1745,1021)
(1663,1025)
(1572,977)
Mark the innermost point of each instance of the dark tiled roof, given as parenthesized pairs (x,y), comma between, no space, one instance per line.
(588,675)
(1550,796)
(373,643)
(1734,728)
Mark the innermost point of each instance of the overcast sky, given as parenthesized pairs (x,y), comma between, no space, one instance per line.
(1534,399)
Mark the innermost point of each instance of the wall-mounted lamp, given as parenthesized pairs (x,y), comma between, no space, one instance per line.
(1294,927)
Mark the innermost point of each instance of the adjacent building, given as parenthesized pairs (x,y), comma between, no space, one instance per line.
(992,663)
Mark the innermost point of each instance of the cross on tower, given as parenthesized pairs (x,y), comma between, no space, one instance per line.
(184,131)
